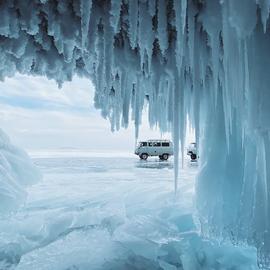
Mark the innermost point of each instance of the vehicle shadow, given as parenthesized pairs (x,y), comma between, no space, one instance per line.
(154,164)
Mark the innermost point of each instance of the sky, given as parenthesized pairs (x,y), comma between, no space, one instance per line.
(37,115)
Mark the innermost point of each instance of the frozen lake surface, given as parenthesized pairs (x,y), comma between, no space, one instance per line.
(108,212)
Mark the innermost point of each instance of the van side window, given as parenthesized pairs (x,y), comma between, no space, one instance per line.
(154,144)
(166,144)
(143,143)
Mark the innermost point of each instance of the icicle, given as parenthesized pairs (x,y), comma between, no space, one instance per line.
(183,14)
(85,8)
(145,38)
(176,129)
(265,8)
(152,7)
(245,23)
(115,14)
(191,35)
(162,26)
(180,25)
(133,22)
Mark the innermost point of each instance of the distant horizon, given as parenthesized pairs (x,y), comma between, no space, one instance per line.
(38,115)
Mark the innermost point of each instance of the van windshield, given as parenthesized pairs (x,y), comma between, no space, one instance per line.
(140,144)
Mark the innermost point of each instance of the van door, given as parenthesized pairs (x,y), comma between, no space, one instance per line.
(150,148)
(154,148)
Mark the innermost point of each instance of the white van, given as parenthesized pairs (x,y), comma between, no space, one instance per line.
(161,148)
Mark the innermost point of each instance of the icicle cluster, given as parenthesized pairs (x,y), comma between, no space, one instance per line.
(205,59)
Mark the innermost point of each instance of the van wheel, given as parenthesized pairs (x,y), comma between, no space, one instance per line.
(161,157)
(193,156)
(165,156)
(144,156)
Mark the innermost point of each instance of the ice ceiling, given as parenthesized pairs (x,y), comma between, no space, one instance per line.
(207,59)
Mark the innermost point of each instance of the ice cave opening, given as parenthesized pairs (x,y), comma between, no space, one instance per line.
(83,200)
(69,144)
(205,59)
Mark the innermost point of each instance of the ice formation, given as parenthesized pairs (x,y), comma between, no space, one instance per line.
(16,173)
(205,59)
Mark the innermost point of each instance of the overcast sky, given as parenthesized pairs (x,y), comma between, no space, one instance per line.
(37,115)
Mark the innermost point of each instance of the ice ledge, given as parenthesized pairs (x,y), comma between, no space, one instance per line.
(16,173)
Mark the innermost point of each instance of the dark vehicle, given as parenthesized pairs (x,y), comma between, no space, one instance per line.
(192,151)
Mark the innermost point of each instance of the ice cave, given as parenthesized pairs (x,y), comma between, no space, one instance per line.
(207,60)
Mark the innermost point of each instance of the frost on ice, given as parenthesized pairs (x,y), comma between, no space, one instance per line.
(208,60)
(16,173)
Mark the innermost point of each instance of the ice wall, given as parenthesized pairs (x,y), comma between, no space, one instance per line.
(16,173)
(205,59)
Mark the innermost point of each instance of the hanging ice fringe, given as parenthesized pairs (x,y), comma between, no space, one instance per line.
(209,60)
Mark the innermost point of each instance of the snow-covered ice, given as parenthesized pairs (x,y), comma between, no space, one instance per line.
(111,212)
